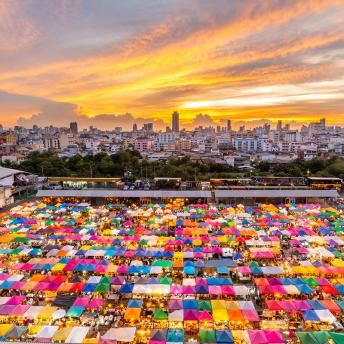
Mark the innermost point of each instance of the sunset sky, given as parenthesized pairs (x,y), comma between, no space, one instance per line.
(109,62)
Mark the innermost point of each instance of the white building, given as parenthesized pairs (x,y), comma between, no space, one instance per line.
(247,144)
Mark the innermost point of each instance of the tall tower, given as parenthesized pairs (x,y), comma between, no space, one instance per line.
(229,125)
(279,125)
(175,121)
(73,126)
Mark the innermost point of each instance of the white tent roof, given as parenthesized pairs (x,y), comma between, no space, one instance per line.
(32,312)
(325,315)
(4,299)
(120,334)
(77,334)
(47,332)
(177,315)
(291,289)
(240,290)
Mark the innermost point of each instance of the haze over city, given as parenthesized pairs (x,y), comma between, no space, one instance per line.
(115,63)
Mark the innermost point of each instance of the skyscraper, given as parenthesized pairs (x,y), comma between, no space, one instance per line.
(229,125)
(323,123)
(175,121)
(279,125)
(134,127)
(73,126)
(147,127)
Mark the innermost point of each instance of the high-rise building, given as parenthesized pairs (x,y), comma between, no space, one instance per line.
(73,126)
(134,127)
(229,125)
(323,123)
(148,127)
(175,121)
(279,125)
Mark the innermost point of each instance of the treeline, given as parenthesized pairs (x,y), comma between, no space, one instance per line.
(103,165)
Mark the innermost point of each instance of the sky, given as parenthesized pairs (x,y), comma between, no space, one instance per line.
(111,63)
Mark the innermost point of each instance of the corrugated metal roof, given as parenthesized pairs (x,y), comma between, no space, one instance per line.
(276,193)
(6,172)
(124,193)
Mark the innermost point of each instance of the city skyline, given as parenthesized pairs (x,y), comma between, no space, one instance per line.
(115,63)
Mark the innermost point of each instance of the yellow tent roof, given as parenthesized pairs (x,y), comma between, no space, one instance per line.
(58,267)
(47,312)
(338,263)
(178,255)
(91,341)
(4,328)
(220,314)
(111,268)
(62,334)
(34,329)
(218,304)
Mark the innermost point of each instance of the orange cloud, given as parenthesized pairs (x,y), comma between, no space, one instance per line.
(199,59)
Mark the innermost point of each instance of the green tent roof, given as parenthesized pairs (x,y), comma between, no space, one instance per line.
(206,336)
(204,305)
(306,338)
(322,336)
(163,263)
(160,315)
(166,280)
(337,337)
(311,282)
(102,287)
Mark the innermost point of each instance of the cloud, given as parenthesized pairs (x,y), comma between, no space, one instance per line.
(153,59)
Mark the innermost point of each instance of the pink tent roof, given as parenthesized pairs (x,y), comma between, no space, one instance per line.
(244,269)
(176,289)
(81,301)
(301,305)
(288,305)
(20,310)
(189,290)
(122,269)
(250,314)
(278,289)
(190,314)
(17,285)
(215,290)
(205,316)
(201,281)
(258,337)
(100,268)
(15,300)
(274,336)
(7,309)
(227,289)
(95,303)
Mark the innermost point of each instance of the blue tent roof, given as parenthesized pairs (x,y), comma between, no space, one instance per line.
(135,303)
(189,270)
(315,304)
(190,304)
(175,336)
(126,288)
(89,287)
(310,316)
(224,336)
